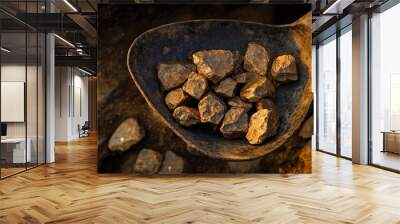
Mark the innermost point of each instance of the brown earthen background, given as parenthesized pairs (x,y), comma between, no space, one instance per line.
(119,99)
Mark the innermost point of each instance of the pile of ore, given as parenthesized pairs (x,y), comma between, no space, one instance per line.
(233,94)
(148,161)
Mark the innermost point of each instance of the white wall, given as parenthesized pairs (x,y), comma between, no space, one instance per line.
(62,81)
(33,127)
(16,73)
(71,102)
(80,112)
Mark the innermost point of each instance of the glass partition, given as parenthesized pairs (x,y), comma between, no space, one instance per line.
(41,96)
(326,108)
(314,89)
(31,99)
(385,89)
(22,77)
(14,151)
(334,94)
(346,92)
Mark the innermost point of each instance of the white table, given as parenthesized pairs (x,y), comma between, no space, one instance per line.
(19,153)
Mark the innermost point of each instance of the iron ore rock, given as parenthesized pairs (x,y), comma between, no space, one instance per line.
(245,77)
(148,162)
(226,88)
(176,98)
(258,89)
(236,102)
(212,109)
(235,124)
(172,75)
(284,68)
(256,59)
(196,85)
(215,65)
(238,59)
(239,80)
(128,133)
(173,164)
(265,103)
(186,116)
(263,124)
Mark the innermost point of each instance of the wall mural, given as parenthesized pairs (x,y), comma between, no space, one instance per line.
(204,89)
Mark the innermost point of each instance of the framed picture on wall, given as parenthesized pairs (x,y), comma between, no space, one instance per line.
(12,101)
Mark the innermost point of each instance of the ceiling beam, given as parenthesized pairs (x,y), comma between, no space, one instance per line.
(76,61)
(49,22)
(337,7)
(320,22)
(84,24)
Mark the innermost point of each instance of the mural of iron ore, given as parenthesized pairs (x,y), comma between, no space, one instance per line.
(204,89)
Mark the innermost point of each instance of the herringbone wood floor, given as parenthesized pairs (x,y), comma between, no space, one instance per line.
(70,191)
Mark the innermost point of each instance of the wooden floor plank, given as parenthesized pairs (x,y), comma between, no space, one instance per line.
(71,191)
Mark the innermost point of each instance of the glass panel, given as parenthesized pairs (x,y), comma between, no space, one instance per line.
(23,90)
(41,98)
(346,94)
(31,100)
(13,89)
(31,88)
(314,78)
(327,96)
(385,89)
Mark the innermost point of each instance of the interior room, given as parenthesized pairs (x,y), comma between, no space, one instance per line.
(199,112)
(22,103)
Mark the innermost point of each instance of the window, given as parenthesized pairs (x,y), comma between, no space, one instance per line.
(326,108)
(334,109)
(385,89)
(346,92)
(314,89)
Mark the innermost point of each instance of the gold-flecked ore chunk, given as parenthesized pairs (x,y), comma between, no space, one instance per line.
(196,85)
(215,65)
(147,162)
(236,102)
(186,116)
(176,98)
(128,133)
(263,124)
(235,123)
(258,89)
(172,75)
(226,88)
(256,59)
(284,68)
(212,109)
